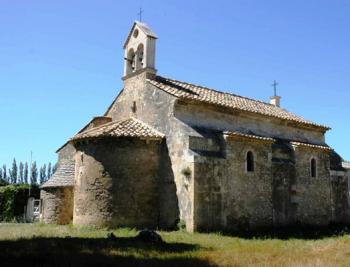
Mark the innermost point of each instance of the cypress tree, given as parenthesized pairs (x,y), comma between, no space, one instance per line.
(42,174)
(2,181)
(21,169)
(49,174)
(4,172)
(25,176)
(14,172)
(34,174)
(54,168)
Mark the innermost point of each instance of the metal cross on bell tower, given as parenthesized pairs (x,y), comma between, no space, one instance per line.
(275,87)
(140,13)
(275,99)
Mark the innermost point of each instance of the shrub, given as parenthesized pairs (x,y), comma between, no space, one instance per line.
(181,225)
(3,182)
(13,199)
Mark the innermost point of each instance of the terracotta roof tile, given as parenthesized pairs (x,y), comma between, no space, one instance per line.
(270,139)
(202,94)
(123,128)
(250,136)
(324,147)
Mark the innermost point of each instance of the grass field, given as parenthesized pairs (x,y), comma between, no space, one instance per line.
(49,245)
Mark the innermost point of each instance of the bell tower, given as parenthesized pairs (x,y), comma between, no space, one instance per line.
(140,50)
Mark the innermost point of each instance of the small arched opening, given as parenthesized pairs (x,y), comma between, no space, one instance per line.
(250,161)
(131,66)
(313,168)
(140,57)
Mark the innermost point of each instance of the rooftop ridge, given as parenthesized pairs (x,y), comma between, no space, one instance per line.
(124,127)
(218,91)
(147,125)
(229,100)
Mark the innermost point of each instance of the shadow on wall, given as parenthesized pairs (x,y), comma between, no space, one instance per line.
(169,214)
(95,252)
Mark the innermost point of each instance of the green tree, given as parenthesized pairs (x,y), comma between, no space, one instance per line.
(34,174)
(54,168)
(21,170)
(14,172)
(25,175)
(10,177)
(49,174)
(2,181)
(4,172)
(42,174)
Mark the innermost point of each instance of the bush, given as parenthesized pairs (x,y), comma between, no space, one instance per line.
(3,182)
(13,199)
(181,225)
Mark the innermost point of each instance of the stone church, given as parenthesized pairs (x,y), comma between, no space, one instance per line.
(168,151)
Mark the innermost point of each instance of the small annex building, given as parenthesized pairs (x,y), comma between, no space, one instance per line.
(168,151)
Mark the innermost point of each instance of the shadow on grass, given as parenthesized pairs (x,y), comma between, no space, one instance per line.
(303,232)
(96,252)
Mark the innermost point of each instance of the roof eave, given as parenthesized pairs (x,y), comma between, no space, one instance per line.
(153,35)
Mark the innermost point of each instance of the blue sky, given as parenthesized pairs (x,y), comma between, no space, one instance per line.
(61,61)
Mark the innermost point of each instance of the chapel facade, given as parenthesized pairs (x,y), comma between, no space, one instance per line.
(168,151)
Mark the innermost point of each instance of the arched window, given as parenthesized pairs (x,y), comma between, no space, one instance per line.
(313,168)
(250,161)
(139,60)
(131,61)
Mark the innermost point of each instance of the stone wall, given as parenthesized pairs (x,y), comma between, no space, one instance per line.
(340,189)
(117,183)
(279,193)
(211,181)
(227,197)
(57,205)
(284,184)
(212,117)
(155,107)
(67,152)
(339,197)
(313,193)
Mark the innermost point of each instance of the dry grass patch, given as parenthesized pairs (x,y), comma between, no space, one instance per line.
(45,245)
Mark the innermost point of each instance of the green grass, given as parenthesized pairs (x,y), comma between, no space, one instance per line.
(50,245)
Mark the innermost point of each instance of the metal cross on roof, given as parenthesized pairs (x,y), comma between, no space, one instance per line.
(275,87)
(140,13)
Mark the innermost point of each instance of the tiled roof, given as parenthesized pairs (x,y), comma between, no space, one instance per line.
(324,147)
(64,175)
(250,136)
(202,94)
(269,139)
(123,128)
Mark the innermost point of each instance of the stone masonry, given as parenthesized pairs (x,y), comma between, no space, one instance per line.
(168,151)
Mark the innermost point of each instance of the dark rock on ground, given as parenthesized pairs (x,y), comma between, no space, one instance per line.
(149,236)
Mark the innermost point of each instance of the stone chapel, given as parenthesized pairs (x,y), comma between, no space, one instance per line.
(168,151)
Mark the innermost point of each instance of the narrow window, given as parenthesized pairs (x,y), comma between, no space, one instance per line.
(313,167)
(133,108)
(250,161)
